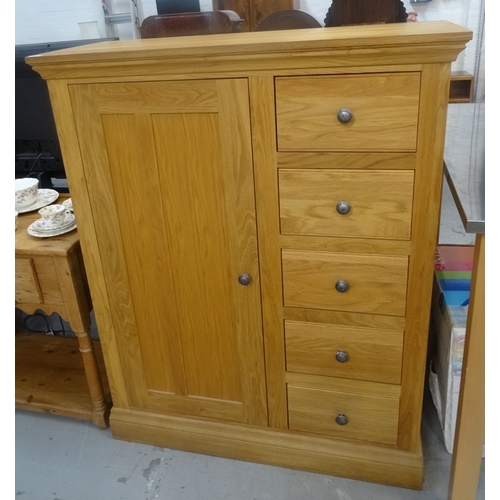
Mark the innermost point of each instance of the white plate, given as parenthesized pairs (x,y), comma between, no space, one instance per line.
(45,197)
(32,231)
(39,225)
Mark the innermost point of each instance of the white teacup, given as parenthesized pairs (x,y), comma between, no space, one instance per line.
(54,216)
(26,192)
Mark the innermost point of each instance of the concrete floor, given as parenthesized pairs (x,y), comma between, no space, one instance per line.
(59,458)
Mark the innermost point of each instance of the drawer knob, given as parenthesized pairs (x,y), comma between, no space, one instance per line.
(341,419)
(344,115)
(341,286)
(343,207)
(244,279)
(342,357)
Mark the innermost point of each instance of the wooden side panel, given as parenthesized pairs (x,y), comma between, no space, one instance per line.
(425,226)
(81,195)
(26,284)
(107,242)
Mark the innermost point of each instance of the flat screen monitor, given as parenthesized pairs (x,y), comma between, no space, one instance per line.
(38,153)
(177,6)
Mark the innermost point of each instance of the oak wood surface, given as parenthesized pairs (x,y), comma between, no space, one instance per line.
(380,203)
(377,284)
(223,184)
(372,354)
(196,330)
(369,418)
(384,112)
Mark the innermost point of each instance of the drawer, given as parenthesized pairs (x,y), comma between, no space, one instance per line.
(374,204)
(343,414)
(345,352)
(384,110)
(345,282)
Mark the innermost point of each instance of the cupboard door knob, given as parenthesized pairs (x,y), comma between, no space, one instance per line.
(343,207)
(341,419)
(341,286)
(344,115)
(342,357)
(244,279)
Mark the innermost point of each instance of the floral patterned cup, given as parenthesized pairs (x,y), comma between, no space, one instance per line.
(53,216)
(26,192)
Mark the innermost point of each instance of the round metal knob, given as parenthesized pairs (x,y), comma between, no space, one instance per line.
(342,357)
(344,115)
(244,279)
(343,207)
(341,286)
(341,419)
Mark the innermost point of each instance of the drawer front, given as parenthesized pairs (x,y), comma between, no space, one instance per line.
(384,110)
(375,204)
(26,284)
(345,352)
(344,282)
(343,414)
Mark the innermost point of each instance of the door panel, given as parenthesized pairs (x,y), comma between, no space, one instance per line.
(181,189)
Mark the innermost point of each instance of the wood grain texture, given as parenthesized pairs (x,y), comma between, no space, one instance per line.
(326,455)
(425,226)
(372,354)
(68,138)
(195,331)
(340,47)
(369,418)
(380,203)
(365,161)
(266,191)
(377,284)
(384,112)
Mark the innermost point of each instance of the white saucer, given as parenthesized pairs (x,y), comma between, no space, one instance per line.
(40,226)
(45,197)
(46,233)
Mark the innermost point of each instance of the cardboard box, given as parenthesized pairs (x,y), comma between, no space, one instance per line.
(450,301)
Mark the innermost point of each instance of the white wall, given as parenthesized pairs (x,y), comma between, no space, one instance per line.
(55,20)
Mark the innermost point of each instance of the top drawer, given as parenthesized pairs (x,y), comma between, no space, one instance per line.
(384,110)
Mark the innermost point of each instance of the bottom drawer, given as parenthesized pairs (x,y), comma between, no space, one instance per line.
(342,414)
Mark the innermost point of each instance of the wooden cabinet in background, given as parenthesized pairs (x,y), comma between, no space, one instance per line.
(252,11)
(258,218)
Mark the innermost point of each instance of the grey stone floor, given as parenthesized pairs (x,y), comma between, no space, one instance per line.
(59,458)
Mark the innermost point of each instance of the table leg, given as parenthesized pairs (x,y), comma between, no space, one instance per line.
(78,311)
(100,406)
(469,433)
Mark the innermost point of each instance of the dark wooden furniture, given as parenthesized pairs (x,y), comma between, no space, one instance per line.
(349,12)
(288,20)
(253,12)
(190,23)
(461,87)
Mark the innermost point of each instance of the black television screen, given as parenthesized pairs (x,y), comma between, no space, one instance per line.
(38,153)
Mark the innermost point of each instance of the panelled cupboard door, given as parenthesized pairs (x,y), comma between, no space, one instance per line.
(176,229)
